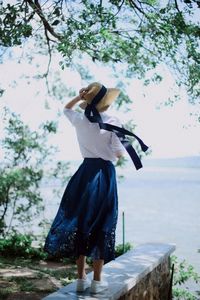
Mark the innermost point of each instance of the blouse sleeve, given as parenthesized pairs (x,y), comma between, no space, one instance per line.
(72,115)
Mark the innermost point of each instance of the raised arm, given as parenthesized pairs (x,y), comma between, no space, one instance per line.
(75,100)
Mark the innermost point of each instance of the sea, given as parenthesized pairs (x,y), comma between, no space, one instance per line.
(161,203)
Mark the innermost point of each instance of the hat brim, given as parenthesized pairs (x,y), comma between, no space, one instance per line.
(106,101)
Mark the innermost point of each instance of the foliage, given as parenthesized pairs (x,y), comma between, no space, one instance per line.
(13,29)
(183,274)
(120,249)
(20,245)
(141,34)
(22,170)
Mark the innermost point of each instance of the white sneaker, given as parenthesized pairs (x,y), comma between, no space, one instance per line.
(82,285)
(98,286)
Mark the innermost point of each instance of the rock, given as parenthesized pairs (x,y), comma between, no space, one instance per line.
(19,272)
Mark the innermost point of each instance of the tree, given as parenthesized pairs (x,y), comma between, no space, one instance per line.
(22,170)
(141,34)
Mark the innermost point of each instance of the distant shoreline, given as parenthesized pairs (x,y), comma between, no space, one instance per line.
(184,162)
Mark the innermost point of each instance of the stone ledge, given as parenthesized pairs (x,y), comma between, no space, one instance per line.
(122,274)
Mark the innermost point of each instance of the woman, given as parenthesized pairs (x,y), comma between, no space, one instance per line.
(86,220)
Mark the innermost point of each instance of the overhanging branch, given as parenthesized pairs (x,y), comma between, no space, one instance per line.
(133,4)
(176,5)
(37,8)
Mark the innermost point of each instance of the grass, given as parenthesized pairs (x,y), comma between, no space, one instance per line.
(23,283)
(49,272)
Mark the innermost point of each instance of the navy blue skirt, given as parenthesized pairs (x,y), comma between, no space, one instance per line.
(86,220)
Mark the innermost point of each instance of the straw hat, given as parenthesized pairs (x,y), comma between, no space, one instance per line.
(105,102)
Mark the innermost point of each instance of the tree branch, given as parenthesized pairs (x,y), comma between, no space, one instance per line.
(47,29)
(119,8)
(13,213)
(6,204)
(49,62)
(176,5)
(37,8)
(133,4)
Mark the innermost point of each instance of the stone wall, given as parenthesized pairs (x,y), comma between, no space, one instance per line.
(154,286)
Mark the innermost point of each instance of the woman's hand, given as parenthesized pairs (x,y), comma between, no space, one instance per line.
(71,103)
(82,92)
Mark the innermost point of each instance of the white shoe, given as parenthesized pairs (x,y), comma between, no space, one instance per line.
(82,285)
(98,286)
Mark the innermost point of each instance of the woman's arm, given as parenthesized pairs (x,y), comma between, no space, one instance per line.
(72,102)
(75,100)
(119,154)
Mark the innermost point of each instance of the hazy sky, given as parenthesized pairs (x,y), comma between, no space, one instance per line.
(169,131)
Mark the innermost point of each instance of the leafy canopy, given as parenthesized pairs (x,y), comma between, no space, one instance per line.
(141,34)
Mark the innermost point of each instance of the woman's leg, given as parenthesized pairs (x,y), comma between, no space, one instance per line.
(80,262)
(97,266)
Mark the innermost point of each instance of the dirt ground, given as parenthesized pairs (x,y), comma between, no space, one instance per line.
(25,279)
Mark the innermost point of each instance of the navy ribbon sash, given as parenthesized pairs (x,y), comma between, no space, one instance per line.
(93,116)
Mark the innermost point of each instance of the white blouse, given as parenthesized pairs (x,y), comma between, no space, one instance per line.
(93,141)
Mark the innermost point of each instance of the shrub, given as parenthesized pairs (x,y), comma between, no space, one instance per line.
(20,245)
(120,249)
(184,273)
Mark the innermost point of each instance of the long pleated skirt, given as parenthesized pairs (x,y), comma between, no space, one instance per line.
(86,220)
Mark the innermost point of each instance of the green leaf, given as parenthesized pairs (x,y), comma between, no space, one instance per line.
(56,22)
